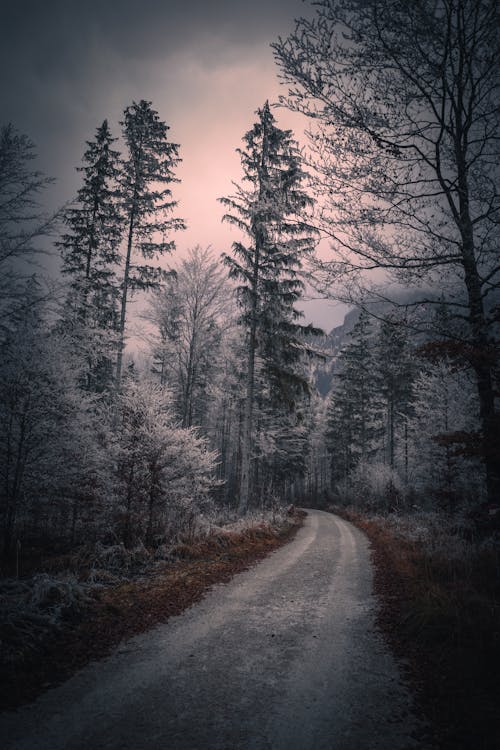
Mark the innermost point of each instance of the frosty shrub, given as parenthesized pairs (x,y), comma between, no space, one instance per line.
(165,473)
(50,458)
(30,610)
(444,404)
(372,486)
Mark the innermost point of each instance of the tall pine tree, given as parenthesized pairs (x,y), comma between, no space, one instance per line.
(90,254)
(271,210)
(396,370)
(148,172)
(355,414)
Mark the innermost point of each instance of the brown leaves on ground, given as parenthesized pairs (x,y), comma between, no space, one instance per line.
(124,610)
(442,618)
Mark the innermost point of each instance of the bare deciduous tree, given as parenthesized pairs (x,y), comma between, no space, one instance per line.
(405,96)
(22,223)
(190,313)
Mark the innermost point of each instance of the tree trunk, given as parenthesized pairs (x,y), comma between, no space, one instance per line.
(482,364)
(483,351)
(246,437)
(123,311)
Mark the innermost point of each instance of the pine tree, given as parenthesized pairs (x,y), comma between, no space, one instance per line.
(272,213)
(147,203)
(355,418)
(395,368)
(443,406)
(90,253)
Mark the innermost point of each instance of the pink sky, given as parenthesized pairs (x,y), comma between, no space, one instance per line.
(205,66)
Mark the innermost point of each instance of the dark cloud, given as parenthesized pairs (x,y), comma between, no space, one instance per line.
(207,66)
(57,34)
(61,59)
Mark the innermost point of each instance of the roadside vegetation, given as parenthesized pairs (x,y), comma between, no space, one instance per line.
(438,583)
(77,607)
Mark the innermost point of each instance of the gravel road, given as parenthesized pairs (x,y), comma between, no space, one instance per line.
(286,656)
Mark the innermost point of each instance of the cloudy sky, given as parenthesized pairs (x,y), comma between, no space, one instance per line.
(205,64)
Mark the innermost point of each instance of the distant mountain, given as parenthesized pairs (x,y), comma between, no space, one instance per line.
(332,344)
(323,372)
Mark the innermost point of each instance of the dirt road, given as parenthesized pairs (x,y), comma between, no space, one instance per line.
(286,656)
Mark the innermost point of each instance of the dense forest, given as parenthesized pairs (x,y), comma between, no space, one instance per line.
(165,410)
(239,404)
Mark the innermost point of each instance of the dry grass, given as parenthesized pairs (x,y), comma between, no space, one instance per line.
(440,607)
(118,607)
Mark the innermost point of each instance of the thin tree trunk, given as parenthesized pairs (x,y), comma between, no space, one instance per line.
(187,410)
(123,311)
(128,508)
(246,436)
(246,443)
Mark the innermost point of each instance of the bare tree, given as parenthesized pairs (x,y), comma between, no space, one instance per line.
(190,312)
(22,223)
(405,96)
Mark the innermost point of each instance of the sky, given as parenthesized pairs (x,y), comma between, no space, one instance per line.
(206,66)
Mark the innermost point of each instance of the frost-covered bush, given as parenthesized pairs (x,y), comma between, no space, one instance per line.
(372,485)
(114,557)
(30,611)
(440,535)
(444,405)
(274,518)
(58,597)
(165,473)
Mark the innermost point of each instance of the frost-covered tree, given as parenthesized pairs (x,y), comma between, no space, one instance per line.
(405,99)
(191,311)
(49,457)
(224,408)
(90,254)
(319,459)
(165,473)
(147,204)
(281,447)
(394,362)
(355,413)
(444,408)
(271,209)
(22,223)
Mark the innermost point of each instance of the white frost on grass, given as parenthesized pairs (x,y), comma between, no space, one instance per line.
(31,609)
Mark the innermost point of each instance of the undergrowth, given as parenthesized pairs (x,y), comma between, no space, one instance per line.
(439,586)
(77,609)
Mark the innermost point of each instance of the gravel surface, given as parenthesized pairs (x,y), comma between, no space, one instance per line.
(286,656)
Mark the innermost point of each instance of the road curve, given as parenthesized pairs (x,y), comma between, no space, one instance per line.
(285,656)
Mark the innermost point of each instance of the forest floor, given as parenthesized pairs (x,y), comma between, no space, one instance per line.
(439,608)
(38,652)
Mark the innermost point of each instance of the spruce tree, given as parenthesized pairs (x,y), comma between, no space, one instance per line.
(396,370)
(147,204)
(90,254)
(355,417)
(271,210)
